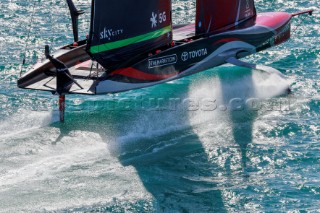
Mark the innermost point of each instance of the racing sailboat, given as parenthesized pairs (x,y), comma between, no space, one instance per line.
(134,48)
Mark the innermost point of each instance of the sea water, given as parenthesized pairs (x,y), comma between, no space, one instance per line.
(226,140)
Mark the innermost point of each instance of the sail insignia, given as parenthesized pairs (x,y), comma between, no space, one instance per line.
(220,15)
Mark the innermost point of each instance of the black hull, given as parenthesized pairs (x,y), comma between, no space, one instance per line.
(187,56)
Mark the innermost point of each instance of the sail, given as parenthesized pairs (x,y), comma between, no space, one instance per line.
(218,15)
(123,30)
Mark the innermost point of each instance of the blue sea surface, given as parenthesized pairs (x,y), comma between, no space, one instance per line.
(224,140)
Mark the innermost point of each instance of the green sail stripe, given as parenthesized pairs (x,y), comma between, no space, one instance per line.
(128,41)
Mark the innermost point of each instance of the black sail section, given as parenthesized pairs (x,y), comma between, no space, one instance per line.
(121,30)
(218,15)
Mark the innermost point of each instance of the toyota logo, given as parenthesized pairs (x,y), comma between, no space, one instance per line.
(184,56)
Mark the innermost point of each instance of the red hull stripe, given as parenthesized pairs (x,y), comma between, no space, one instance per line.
(274,20)
(187,28)
(226,40)
(137,74)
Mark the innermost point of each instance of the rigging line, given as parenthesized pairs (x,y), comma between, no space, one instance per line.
(51,39)
(299,24)
(51,21)
(51,42)
(28,36)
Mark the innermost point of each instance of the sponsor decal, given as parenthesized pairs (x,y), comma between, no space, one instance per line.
(157,18)
(248,12)
(163,61)
(248,5)
(283,35)
(110,33)
(194,54)
(184,56)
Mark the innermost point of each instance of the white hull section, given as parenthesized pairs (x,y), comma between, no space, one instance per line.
(216,58)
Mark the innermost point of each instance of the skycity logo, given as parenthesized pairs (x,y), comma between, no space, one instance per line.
(194,54)
(109,33)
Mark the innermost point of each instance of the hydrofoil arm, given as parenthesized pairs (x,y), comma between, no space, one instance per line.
(262,68)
